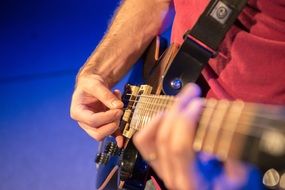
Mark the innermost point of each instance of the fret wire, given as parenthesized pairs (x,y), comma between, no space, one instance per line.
(244,113)
(141,102)
(206,107)
(156,108)
(166,103)
(245,122)
(136,120)
(160,108)
(143,116)
(149,110)
(171,99)
(140,117)
(151,107)
(151,114)
(147,113)
(143,112)
(216,122)
(203,124)
(231,124)
(156,98)
(242,129)
(269,115)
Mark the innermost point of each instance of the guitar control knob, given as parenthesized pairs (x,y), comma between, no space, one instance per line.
(102,158)
(176,84)
(271,178)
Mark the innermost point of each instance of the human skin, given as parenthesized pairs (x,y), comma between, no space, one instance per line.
(96,109)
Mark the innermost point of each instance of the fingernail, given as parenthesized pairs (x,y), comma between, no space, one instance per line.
(117,104)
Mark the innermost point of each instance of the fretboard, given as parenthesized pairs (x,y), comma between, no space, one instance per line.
(225,126)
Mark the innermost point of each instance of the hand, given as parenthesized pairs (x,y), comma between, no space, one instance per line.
(96,109)
(169,138)
(167,144)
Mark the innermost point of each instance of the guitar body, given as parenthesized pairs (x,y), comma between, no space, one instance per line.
(128,165)
(260,129)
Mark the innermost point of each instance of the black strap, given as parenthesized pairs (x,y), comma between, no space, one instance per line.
(216,20)
(186,66)
(201,43)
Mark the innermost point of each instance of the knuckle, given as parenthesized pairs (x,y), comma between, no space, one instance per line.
(162,139)
(98,137)
(92,132)
(91,122)
(99,134)
(117,115)
(113,127)
(108,95)
(177,149)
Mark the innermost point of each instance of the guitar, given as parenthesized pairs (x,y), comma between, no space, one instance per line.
(239,130)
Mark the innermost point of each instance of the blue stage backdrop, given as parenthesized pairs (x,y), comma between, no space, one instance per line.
(42,45)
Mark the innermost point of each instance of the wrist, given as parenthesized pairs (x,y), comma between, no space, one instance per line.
(92,73)
(101,66)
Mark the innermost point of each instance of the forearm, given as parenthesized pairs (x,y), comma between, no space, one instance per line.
(133,27)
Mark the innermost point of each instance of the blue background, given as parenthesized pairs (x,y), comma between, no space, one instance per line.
(42,45)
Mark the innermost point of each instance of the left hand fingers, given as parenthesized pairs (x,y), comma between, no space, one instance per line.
(169,136)
(180,147)
(145,142)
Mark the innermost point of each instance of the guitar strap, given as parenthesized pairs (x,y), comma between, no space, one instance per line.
(201,43)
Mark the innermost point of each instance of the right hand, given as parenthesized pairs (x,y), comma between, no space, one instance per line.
(96,109)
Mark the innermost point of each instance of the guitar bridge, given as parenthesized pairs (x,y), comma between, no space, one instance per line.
(131,97)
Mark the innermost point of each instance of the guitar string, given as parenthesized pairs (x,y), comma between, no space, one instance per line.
(262,127)
(269,116)
(172,99)
(243,122)
(241,129)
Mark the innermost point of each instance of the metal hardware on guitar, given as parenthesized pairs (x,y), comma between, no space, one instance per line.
(111,149)
(273,179)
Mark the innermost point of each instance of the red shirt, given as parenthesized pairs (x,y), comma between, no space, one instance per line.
(251,63)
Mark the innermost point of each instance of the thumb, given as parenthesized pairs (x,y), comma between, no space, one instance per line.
(96,87)
(118,135)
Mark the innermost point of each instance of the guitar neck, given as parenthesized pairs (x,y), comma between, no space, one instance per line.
(227,129)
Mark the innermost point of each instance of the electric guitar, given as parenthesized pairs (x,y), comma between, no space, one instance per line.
(239,130)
